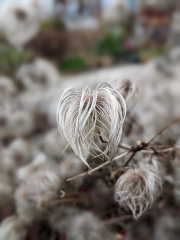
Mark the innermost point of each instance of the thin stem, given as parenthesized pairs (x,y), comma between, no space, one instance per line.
(125,146)
(131,157)
(65,200)
(139,148)
(121,145)
(97,168)
(117,219)
(173,122)
(162,150)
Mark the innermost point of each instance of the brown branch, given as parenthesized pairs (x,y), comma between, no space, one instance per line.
(117,219)
(125,146)
(131,157)
(162,150)
(162,130)
(97,168)
(121,156)
(122,145)
(140,147)
(65,200)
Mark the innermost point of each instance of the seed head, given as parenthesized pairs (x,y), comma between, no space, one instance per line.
(138,188)
(84,114)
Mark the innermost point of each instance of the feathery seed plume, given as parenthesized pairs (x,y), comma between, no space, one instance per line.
(84,114)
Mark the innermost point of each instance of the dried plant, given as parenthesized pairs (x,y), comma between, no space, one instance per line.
(86,226)
(43,187)
(61,217)
(40,183)
(23,22)
(138,188)
(12,228)
(39,163)
(129,90)
(167,227)
(25,206)
(38,74)
(84,114)
(71,166)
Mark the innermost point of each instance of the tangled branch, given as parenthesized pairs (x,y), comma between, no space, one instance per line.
(140,147)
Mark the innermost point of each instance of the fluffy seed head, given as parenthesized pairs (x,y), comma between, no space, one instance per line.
(71,166)
(25,206)
(84,114)
(42,187)
(138,188)
(12,228)
(85,226)
(129,90)
(39,163)
(62,216)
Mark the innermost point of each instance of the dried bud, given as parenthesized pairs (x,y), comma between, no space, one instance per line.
(138,188)
(83,114)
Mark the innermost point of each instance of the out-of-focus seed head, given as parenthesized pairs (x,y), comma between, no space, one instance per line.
(85,226)
(129,90)
(12,228)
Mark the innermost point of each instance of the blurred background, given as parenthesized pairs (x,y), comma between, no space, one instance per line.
(84,35)
(49,45)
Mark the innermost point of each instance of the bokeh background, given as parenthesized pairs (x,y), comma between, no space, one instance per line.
(47,46)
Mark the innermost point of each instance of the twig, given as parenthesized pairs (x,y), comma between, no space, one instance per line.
(140,147)
(162,150)
(131,157)
(65,200)
(97,168)
(117,219)
(125,146)
(121,156)
(121,145)
(173,122)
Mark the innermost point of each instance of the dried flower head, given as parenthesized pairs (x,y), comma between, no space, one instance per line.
(53,145)
(167,227)
(61,217)
(16,154)
(25,206)
(84,114)
(12,228)
(6,189)
(176,182)
(39,163)
(37,74)
(5,130)
(7,91)
(70,166)
(138,188)
(23,22)
(21,123)
(85,226)
(42,187)
(128,89)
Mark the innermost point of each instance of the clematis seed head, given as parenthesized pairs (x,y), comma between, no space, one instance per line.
(84,114)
